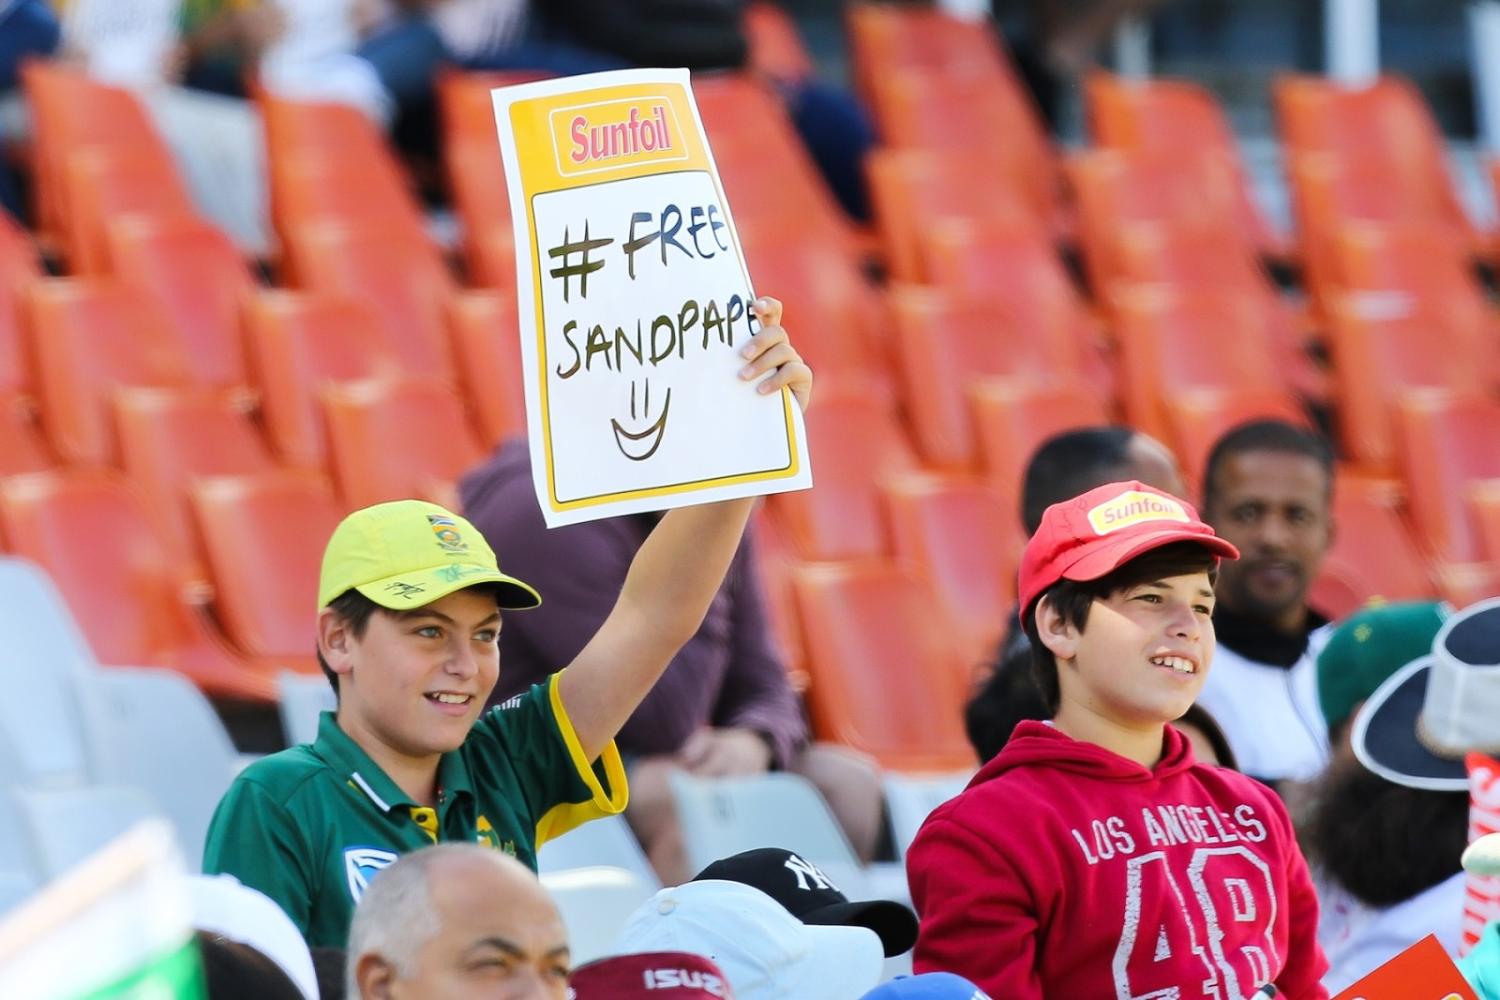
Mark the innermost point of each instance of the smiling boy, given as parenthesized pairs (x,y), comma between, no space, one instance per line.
(1094,857)
(411,600)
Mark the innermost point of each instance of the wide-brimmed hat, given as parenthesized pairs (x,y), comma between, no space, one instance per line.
(1418,725)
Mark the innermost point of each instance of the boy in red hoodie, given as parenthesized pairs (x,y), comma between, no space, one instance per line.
(1093,857)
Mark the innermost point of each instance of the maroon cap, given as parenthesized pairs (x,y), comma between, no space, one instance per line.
(655,975)
(1099,531)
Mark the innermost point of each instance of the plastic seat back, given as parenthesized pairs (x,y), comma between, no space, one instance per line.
(198,275)
(107,184)
(262,538)
(299,342)
(66,825)
(1012,417)
(87,338)
(487,346)
(960,538)
(887,676)
(394,439)
(1447,442)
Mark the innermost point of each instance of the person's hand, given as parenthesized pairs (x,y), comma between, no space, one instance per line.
(723,753)
(771,351)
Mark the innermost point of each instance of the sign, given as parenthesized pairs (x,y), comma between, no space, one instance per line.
(634,302)
(1422,972)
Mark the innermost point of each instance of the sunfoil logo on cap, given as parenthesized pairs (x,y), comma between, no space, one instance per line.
(1134,507)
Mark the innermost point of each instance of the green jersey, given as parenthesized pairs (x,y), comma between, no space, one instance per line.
(310,825)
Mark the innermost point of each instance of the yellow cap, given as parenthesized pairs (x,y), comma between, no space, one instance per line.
(408,553)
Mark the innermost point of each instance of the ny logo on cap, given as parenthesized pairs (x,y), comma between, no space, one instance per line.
(805,871)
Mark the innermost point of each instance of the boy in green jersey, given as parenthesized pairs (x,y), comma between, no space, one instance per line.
(411,598)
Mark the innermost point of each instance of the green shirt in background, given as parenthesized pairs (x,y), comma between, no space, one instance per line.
(310,825)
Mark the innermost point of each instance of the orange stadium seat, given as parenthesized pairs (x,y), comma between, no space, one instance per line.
(87,338)
(1355,571)
(1019,272)
(961,539)
(103,547)
(1484,502)
(72,113)
(776,560)
(858,444)
(22,448)
(295,126)
(1197,419)
(1386,125)
(836,313)
(170,437)
(262,538)
(1116,191)
(1446,443)
(487,344)
(391,439)
(1169,116)
(763,164)
(1172,341)
(108,184)
(1013,416)
(776,47)
(886,677)
(299,341)
(914,190)
(318,188)
(1381,349)
(884,37)
(201,281)
(404,280)
(943,344)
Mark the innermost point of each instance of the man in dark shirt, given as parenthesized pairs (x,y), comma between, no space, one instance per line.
(724,706)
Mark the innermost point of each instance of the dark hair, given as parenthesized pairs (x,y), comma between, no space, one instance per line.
(1070,463)
(1265,435)
(355,610)
(1007,696)
(232,969)
(1381,841)
(1072,600)
(1202,720)
(328,966)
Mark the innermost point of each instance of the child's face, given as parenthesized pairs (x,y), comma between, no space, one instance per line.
(1144,654)
(399,668)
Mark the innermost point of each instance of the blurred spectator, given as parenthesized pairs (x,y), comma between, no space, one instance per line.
(248,932)
(233,970)
(329,964)
(810,895)
(215,140)
(28,29)
(1268,489)
(764,951)
(1053,42)
(663,975)
(1365,649)
(1061,468)
(456,920)
(1392,820)
(930,986)
(378,55)
(724,707)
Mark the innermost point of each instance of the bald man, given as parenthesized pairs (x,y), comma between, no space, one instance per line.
(457,920)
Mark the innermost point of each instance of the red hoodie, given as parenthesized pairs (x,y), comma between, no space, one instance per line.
(1068,872)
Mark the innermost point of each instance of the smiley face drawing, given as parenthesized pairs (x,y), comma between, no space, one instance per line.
(642,444)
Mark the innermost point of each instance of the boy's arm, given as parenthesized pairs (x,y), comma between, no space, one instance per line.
(257,841)
(673,577)
(977,918)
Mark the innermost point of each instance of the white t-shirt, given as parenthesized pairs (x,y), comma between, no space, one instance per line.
(1270,713)
(1358,939)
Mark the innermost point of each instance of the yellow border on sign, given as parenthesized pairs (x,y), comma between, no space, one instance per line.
(538,154)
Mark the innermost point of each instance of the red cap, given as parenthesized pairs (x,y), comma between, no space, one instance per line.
(1099,531)
(656,975)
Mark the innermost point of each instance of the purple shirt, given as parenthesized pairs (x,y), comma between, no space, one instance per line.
(728,674)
